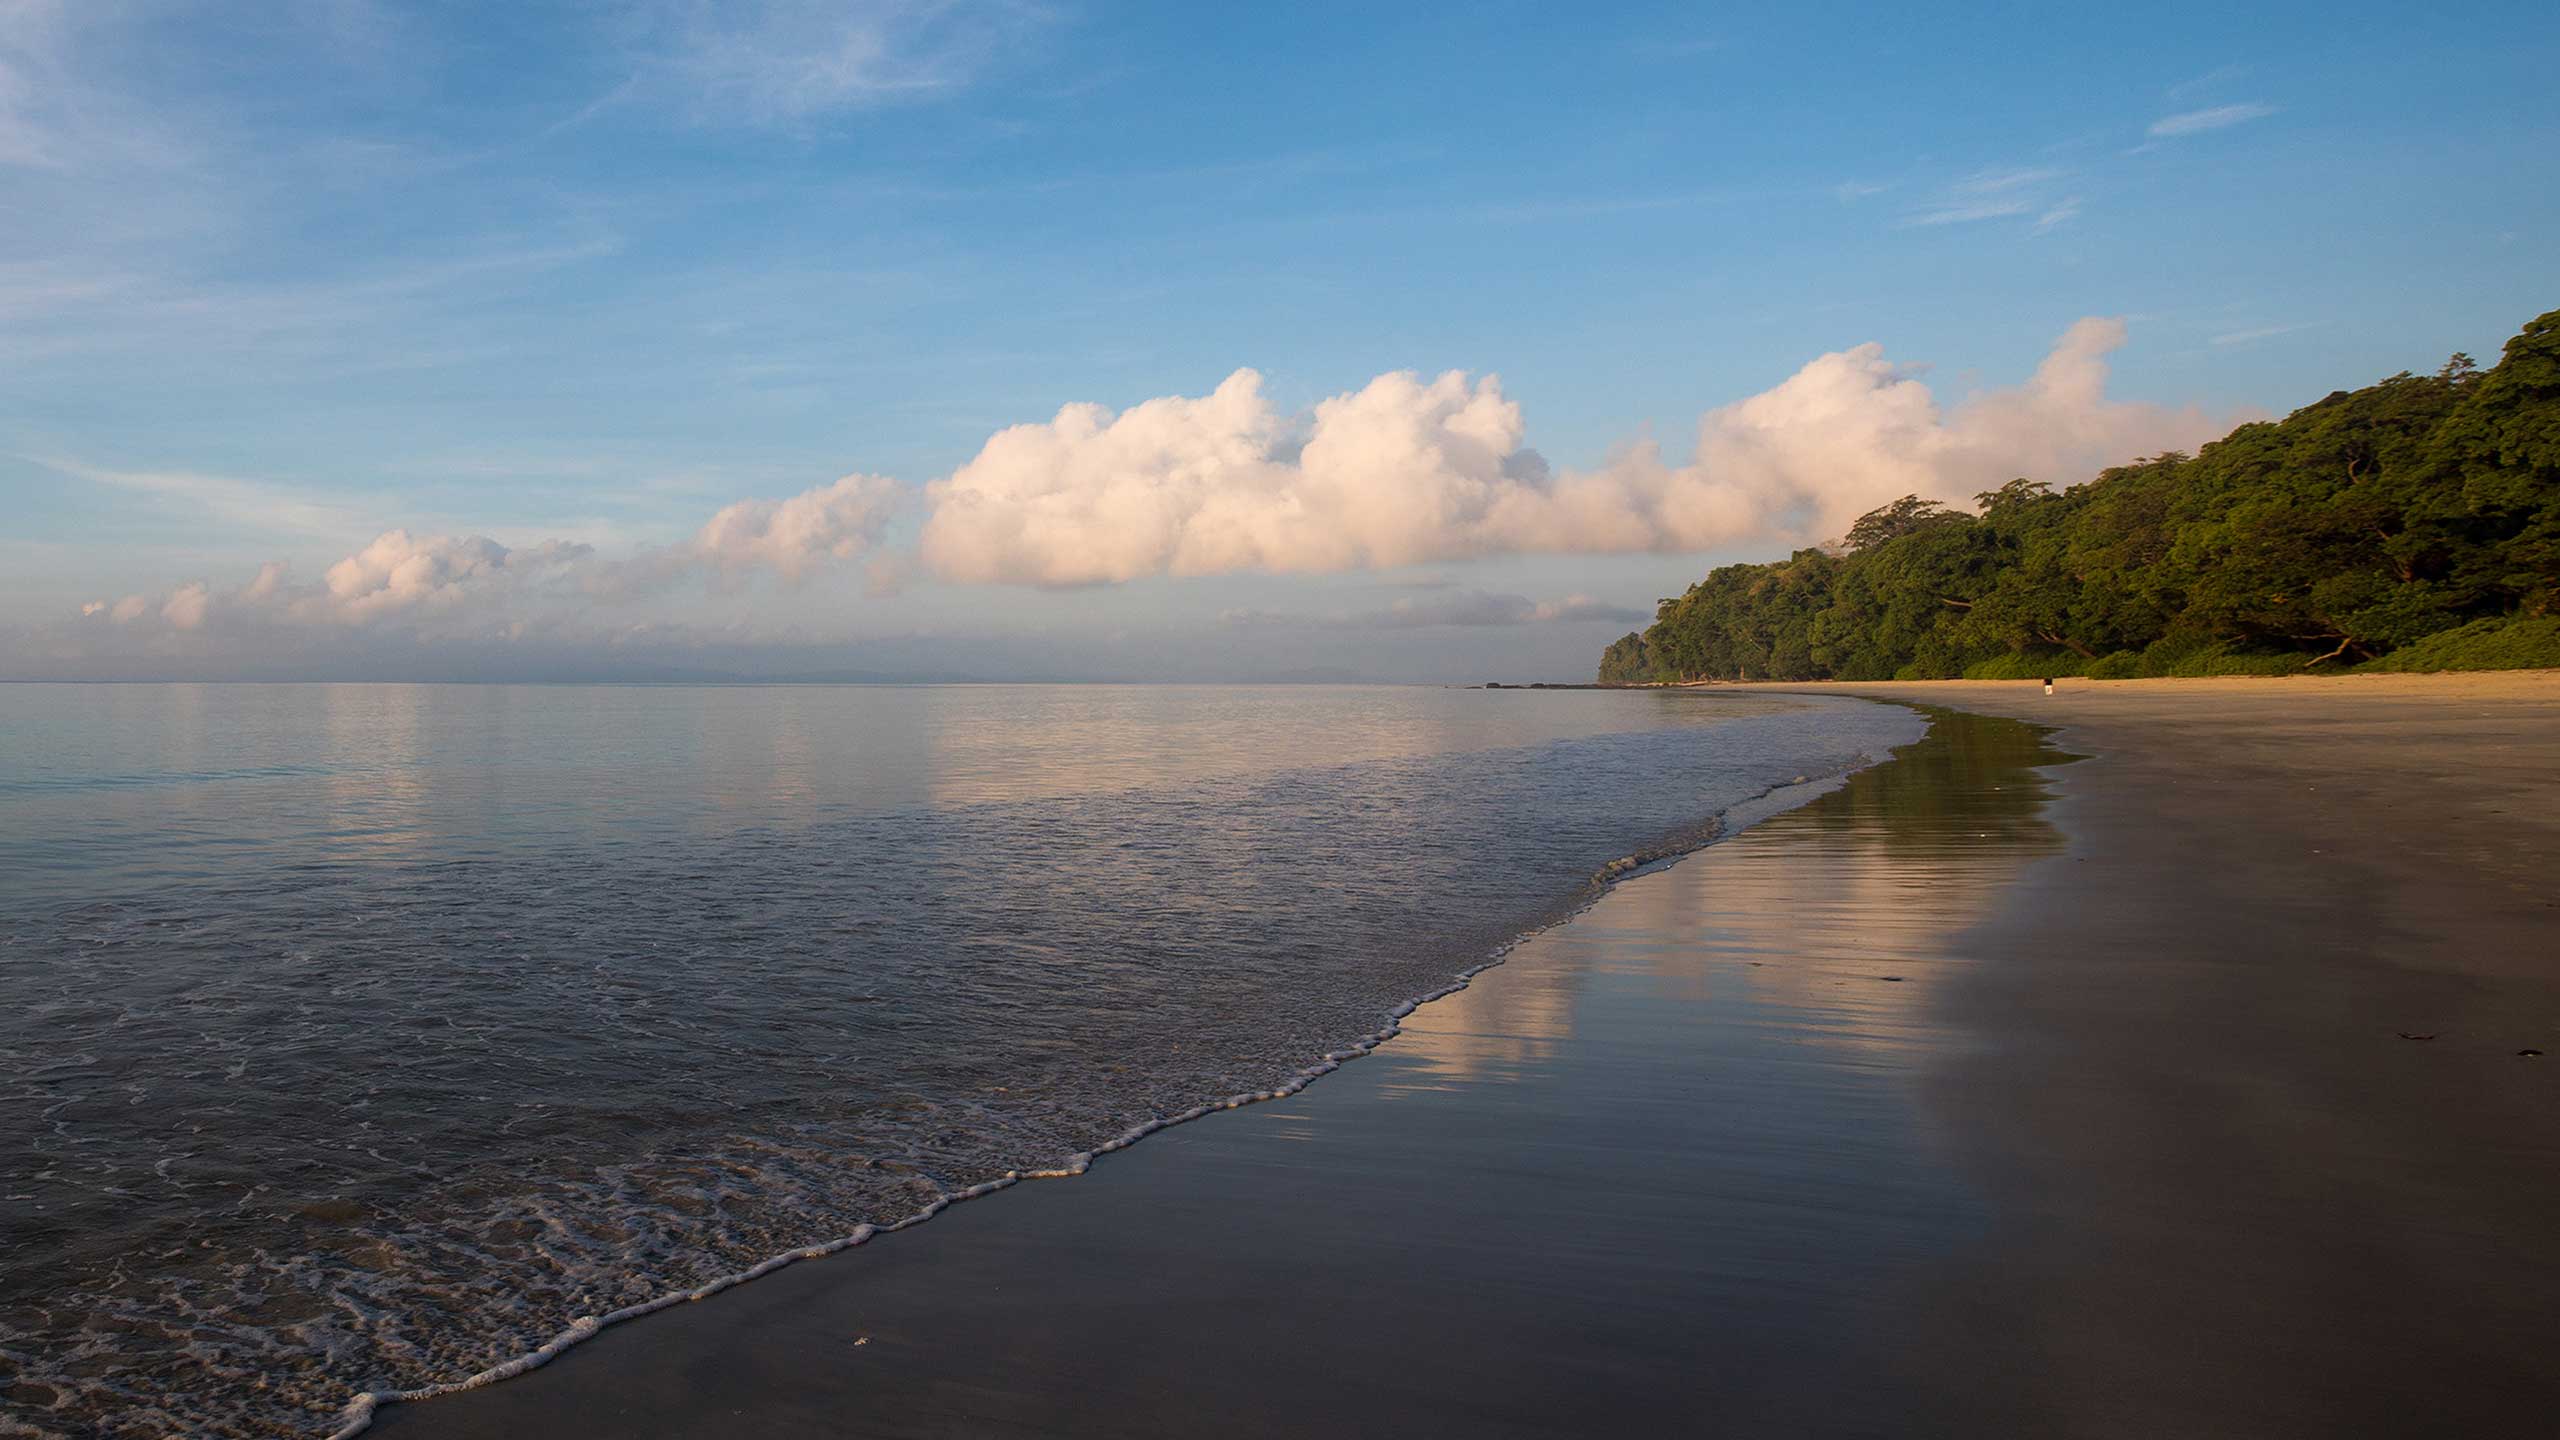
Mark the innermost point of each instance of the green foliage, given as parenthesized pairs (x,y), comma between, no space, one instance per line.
(2223,660)
(2015,666)
(2351,532)
(1906,516)
(2531,643)
(1628,661)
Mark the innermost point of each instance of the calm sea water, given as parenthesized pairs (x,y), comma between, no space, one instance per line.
(361,1037)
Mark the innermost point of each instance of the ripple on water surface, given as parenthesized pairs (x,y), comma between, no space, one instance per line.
(364,1037)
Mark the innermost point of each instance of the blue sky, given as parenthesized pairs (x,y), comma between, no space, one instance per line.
(279,278)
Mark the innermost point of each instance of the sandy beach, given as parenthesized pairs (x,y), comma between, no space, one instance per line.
(2180,1090)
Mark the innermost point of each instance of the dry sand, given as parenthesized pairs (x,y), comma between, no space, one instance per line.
(1973,1098)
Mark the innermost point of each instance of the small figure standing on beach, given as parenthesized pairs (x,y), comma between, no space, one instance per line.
(2048,685)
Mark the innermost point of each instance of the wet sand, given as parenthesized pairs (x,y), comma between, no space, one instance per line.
(1970,1097)
(2246,1089)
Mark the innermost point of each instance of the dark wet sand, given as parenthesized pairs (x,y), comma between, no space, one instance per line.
(1932,1108)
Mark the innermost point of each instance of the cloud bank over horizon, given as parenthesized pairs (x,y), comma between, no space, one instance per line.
(1404,471)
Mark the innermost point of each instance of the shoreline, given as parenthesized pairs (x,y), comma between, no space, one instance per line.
(361,1413)
(2097,1143)
(599,1375)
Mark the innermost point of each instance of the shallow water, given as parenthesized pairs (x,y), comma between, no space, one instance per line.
(1673,1168)
(362,1037)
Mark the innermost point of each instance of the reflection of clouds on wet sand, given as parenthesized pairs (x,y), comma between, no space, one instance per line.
(1827,925)
(1492,1032)
(1845,911)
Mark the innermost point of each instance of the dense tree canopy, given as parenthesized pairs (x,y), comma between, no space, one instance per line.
(2410,523)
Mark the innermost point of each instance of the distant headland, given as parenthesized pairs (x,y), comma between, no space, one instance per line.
(2412,525)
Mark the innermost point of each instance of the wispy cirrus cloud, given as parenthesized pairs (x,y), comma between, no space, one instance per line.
(2247,337)
(2197,122)
(2219,75)
(27,30)
(226,499)
(57,112)
(1992,194)
(791,62)
(38,88)
(1965,212)
(409,313)
(2062,212)
(163,219)
(2002,182)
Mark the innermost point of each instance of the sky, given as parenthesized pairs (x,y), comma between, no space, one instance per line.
(939,339)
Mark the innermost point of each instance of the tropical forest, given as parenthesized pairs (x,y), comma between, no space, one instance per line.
(2410,525)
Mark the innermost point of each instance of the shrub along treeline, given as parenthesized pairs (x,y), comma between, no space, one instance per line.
(2413,524)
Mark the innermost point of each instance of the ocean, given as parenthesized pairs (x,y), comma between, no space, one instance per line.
(363,1038)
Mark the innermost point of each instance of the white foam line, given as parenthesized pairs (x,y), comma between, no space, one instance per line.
(358,1414)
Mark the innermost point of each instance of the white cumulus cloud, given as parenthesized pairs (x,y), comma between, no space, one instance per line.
(399,573)
(1406,471)
(789,537)
(1400,471)
(472,584)
(396,576)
